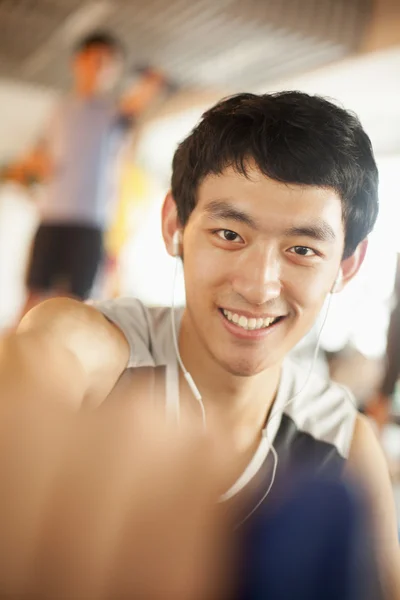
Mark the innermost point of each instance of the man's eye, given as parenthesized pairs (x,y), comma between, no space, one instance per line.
(228,236)
(302,251)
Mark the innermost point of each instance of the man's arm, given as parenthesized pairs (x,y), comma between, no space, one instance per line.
(108,504)
(368,466)
(64,351)
(379,406)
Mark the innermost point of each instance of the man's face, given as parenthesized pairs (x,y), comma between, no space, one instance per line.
(260,258)
(97,69)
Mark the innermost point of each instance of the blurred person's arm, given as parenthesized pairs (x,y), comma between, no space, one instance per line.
(37,164)
(33,167)
(142,94)
(367,465)
(63,351)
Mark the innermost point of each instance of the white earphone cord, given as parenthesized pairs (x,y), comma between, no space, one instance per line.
(186,374)
(278,412)
(274,414)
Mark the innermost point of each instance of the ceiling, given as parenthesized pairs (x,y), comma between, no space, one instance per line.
(368,84)
(234,44)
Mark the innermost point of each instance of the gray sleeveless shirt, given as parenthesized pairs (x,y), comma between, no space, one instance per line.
(312,424)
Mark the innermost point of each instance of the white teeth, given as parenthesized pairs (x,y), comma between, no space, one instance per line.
(249,324)
(243,322)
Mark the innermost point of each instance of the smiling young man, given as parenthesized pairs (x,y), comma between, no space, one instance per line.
(272,200)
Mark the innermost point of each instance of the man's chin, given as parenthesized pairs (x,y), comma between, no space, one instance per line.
(246,368)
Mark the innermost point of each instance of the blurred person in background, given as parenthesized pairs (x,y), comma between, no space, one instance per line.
(78,155)
(271,204)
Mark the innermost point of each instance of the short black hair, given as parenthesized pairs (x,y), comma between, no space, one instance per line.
(292,137)
(100,38)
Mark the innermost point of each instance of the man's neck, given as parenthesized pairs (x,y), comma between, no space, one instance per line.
(239,403)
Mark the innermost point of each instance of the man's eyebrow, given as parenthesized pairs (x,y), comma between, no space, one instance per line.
(223,209)
(320,231)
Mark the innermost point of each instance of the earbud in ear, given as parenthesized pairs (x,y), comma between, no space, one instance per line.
(176,243)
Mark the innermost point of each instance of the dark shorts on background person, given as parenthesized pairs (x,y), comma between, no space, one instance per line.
(65,258)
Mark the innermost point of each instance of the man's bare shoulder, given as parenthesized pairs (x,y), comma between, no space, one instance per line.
(68,318)
(366,452)
(99,346)
(367,465)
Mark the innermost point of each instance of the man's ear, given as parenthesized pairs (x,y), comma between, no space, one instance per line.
(170,223)
(350,266)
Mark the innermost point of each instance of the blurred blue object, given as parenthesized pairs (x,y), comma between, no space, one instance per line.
(316,545)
